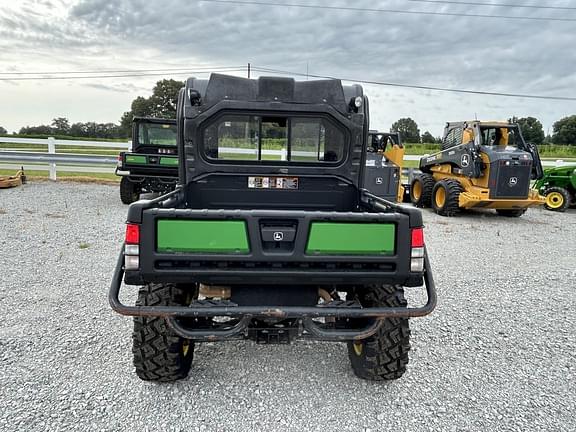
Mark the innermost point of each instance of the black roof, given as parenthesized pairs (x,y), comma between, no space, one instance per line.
(153,120)
(274,89)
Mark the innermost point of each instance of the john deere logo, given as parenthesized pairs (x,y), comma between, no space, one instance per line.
(513,181)
(465,160)
(278,236)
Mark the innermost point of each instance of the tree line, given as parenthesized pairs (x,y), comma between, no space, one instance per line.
(162,104)
(60,126)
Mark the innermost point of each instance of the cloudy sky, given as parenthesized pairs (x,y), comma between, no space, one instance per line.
(488,54)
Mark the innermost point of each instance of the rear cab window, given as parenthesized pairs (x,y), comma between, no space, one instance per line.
(300,140)
(157,134)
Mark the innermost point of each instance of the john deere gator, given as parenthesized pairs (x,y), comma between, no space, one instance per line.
(152,165)
(270,234)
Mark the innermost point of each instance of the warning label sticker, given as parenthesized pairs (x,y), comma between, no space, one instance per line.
(273,182)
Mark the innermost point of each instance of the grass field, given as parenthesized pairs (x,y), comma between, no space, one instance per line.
(66,175)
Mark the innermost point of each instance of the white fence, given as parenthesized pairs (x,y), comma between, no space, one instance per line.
(77,165)
(77,162)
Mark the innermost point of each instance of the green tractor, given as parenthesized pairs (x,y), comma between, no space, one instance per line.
(559,187)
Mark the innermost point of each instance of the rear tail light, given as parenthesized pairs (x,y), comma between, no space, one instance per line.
(132,234)
(132,247)
(417,250)
(119,163)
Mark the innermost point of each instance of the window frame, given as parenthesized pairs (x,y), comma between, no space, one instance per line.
(289,116)
(517,143)
(139,133)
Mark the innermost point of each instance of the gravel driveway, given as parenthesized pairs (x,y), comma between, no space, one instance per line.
(498,354)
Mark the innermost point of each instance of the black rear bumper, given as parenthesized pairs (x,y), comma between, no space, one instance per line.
(264,266)
(247,313)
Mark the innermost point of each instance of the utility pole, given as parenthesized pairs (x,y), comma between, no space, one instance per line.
(248,70)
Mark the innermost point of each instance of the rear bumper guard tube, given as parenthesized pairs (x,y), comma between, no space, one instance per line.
(282,312)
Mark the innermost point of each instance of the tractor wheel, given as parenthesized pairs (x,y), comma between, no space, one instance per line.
(557,199)
(511,212)
(129,191)
(445,196)
(159,354)
(384,355)
(421,190)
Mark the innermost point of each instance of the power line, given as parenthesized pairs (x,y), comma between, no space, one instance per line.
(284,72)
(121,70)
(120,76)
(419,87)
(394,11)
(510,5)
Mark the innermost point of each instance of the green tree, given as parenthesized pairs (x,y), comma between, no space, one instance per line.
(408,129)
(165,98)
(3,131)
(36,130)
(162,104)
(78,130)
(427,137)
(60,126)
(564,131)
(531,128)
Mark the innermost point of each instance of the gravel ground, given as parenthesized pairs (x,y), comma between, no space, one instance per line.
(497,354)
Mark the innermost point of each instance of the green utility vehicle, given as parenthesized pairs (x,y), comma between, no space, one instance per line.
(271,234)
(558,186)
(152,165)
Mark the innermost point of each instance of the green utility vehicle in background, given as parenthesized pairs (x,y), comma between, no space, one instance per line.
(271,234)
(152,165)
(558,186)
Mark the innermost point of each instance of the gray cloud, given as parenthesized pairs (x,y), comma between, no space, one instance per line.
(497,55)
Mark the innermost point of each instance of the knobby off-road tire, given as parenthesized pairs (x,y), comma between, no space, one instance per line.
(159,354)
(384,355)
(445,197)
(557,199)
(129,191)
(421,190)
(511,212)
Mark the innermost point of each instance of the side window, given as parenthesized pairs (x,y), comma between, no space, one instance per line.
(449,138)
(453,138)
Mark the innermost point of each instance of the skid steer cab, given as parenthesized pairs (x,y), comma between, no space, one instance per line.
(481,165)
(384,162)
(152,165)
(271,234)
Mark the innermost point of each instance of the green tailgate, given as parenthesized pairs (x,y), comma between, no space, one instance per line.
(327,238)
(169,161)
(135,159)
(202,236)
